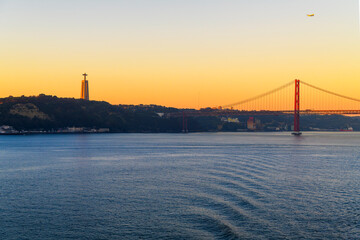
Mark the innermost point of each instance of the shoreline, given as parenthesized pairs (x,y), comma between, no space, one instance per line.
(85,133)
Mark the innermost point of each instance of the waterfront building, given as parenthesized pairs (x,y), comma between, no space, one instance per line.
(7,130)
(251,124)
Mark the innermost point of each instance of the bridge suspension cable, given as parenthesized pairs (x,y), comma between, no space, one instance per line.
(329,92)
(281,98)
(259,96)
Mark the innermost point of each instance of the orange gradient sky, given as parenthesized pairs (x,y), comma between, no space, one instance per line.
(177,53)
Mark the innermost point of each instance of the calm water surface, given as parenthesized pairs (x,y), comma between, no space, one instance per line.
(180,186)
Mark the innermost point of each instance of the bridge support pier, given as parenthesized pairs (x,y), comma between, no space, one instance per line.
(297,109)
(185,124)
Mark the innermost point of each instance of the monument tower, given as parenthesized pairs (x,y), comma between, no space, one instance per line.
(85,88)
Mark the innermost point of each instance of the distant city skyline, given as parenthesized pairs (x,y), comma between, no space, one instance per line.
(177,53)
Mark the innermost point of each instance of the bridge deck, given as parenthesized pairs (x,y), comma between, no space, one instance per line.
(259,113)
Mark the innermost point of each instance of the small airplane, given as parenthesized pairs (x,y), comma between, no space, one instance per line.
(311,15)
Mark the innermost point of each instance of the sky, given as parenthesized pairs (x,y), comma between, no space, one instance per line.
(178,53)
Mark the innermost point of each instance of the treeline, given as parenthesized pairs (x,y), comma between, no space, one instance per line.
(48,113)
(51,113)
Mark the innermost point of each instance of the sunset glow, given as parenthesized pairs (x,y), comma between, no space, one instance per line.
(177,53)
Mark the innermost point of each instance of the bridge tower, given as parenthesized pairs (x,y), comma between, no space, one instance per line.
(297,109)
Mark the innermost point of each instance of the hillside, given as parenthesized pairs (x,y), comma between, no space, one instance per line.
(50,113)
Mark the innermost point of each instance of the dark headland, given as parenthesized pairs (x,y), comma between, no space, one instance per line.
(50,114)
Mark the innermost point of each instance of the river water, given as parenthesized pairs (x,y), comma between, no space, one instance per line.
(180,186)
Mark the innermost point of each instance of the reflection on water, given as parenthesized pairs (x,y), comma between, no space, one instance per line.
(183,186)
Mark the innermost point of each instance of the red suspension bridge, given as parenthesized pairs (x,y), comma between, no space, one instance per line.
(284,100)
